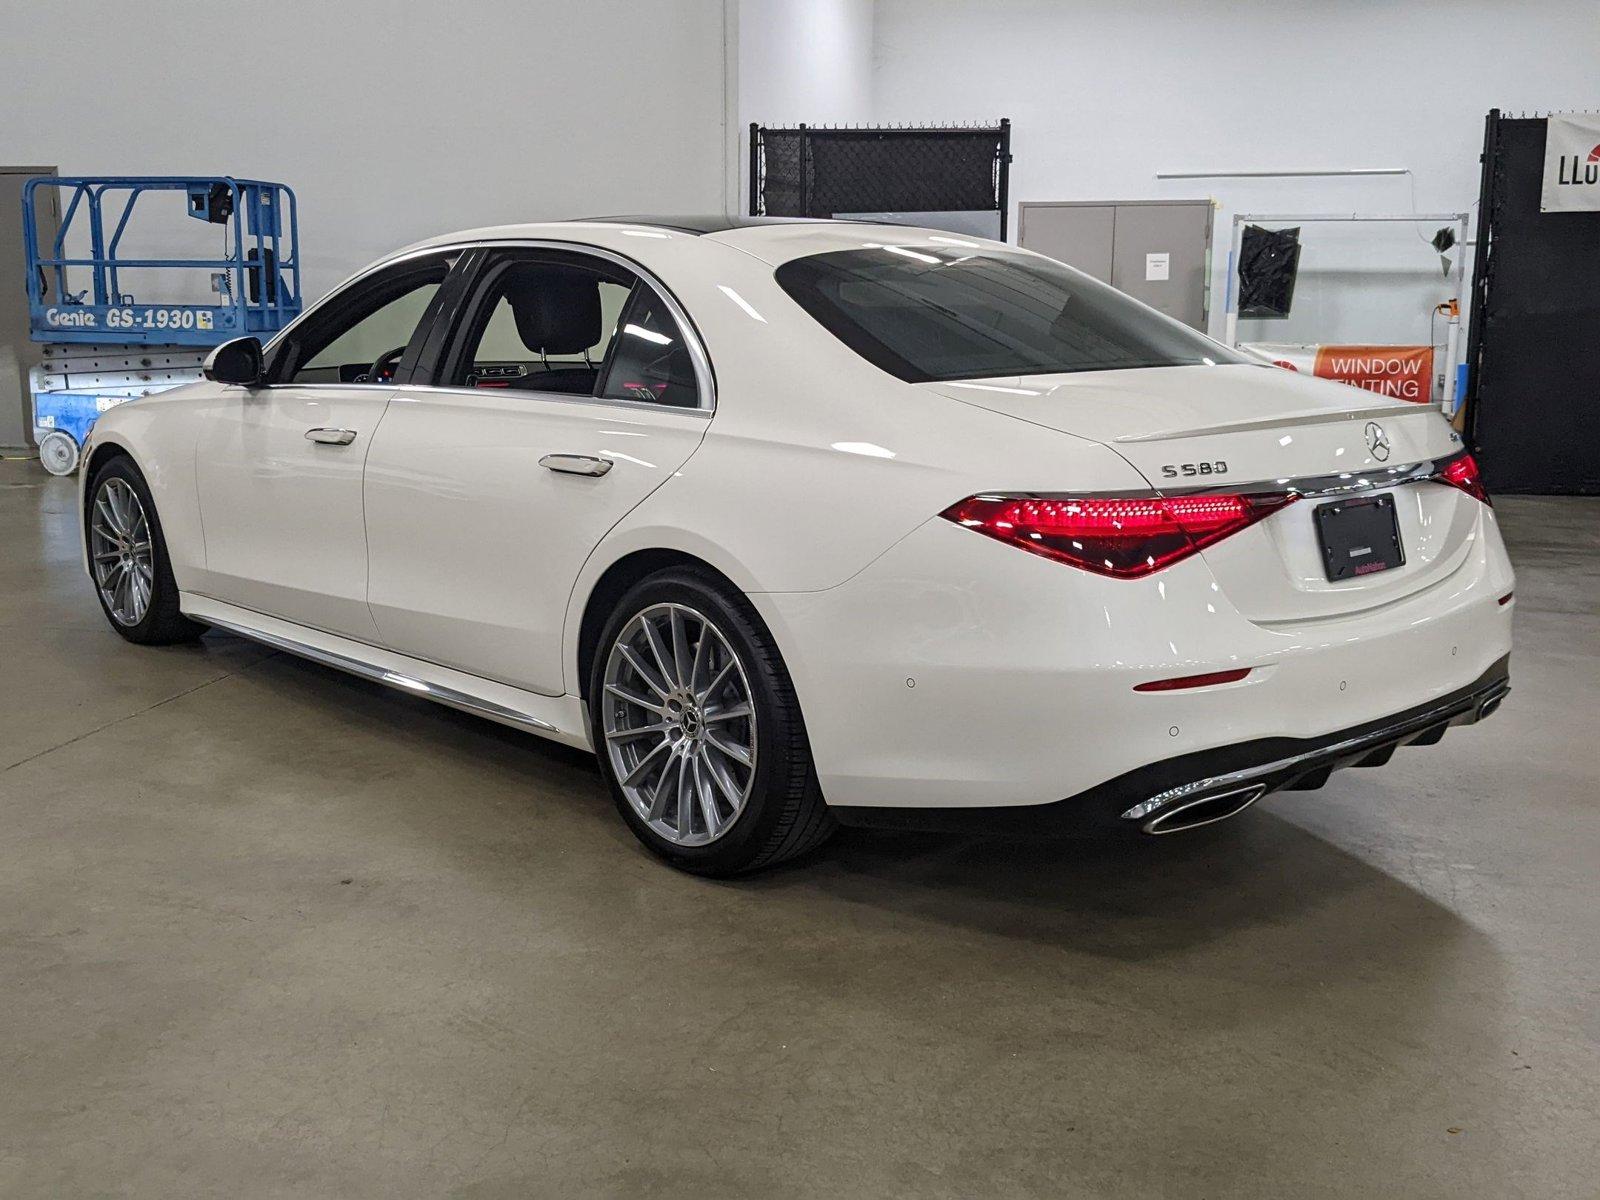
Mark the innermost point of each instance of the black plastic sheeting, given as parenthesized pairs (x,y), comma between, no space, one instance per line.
(1533,393)
(1269,261)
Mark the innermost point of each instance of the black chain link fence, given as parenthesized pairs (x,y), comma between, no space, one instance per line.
(806,172)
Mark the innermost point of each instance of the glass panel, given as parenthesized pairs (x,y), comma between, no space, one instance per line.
(942,314)
(368,324)
(548,328)
(651,361)
(371,337)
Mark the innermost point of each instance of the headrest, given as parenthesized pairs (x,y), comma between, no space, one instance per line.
(557,309)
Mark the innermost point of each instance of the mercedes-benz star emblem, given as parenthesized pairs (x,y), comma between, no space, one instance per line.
(1377,441)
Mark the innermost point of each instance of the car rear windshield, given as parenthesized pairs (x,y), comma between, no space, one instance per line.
(942,314)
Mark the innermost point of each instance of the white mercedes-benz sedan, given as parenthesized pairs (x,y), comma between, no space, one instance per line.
(807,523)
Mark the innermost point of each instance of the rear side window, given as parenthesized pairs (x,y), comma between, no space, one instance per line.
(541,324)
(650,360)
(929,315)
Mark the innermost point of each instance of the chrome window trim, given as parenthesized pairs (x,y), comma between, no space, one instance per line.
(703,414)
(704,376)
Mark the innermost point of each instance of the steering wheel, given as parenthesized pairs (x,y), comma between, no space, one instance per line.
(382,369)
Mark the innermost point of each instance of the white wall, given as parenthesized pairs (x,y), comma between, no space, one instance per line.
(1104,95)
(392,122)
(803,60)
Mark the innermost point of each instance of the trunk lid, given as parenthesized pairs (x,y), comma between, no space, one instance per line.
(1256,429)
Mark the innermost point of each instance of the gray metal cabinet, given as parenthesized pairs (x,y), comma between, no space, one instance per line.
(17,353)
(1157,251)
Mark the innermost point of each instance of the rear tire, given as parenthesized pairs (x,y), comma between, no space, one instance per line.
(128,559)
(698,730)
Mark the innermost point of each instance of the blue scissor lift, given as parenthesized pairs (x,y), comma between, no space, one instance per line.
(104,345)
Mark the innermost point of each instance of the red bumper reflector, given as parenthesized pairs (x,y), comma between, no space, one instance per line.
(1462,472)
(1192,681)
(1125,537)
(1506,599)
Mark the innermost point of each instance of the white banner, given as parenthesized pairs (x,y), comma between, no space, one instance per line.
(1571,164)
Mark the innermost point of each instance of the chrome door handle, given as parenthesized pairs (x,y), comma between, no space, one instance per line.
(576,464)
(331,437)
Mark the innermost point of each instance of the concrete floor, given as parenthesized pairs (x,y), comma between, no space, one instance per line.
(269,931)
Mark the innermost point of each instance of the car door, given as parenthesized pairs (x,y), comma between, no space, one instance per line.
(568,391)
(279,466)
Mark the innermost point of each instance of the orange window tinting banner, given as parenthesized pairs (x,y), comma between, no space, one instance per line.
(1403,372)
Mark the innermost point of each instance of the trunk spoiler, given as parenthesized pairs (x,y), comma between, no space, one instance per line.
(1320,417)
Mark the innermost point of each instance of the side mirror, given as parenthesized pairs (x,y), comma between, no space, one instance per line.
(238,361)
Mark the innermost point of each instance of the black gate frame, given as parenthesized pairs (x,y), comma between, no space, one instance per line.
(1542,435)
(1479,290)
(809,135)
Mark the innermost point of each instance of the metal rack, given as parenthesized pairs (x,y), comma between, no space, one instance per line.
(256,279)
(1452,390)
(107,341)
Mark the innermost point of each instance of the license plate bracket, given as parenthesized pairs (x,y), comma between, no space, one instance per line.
(1358,536)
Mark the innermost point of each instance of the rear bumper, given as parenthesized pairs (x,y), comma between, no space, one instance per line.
(1197,789)
(957,672)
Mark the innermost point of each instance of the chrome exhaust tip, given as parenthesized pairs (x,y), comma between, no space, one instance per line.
(1491,703)
(1204,810)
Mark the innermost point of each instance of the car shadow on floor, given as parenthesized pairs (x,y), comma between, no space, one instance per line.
(1123,898)
(1127,898)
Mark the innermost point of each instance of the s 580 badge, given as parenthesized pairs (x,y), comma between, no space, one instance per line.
(1189,470)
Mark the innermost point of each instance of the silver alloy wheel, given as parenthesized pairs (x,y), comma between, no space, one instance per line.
(679,724)
(119,548)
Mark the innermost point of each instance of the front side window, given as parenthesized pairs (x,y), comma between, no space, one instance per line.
(359,335)
(929,315)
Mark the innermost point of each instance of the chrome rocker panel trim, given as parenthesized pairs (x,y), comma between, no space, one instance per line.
(560,718)
(404,683)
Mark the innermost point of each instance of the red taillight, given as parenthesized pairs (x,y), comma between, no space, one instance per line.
(1193,681)
(1462,472)
(1121,536)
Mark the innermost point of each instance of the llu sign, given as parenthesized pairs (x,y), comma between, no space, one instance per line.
(1571,164)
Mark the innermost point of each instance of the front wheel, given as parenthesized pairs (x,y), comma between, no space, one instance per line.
(698,730)
(128,559)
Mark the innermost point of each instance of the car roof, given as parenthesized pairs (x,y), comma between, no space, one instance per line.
(772,239)
(706,222)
